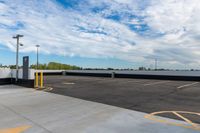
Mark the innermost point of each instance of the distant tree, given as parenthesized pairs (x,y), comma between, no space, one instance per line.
(55,66)
(142,69)
(12,66)
(110,69)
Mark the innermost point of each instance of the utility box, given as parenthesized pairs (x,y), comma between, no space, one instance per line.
(25,67)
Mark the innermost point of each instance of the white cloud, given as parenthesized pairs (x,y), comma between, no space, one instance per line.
(172,15)
(68,32)
(179,21)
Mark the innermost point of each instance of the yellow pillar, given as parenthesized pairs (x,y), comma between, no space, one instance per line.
(41,80)
(36,80)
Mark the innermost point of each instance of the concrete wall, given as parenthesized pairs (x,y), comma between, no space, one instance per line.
(165,73)
(11,73)
(51,72)
(5,73)
(7,76)
(31,73)
(8,73)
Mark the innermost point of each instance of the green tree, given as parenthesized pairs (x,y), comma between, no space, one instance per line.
(55,66)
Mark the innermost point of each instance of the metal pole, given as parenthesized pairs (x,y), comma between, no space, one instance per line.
(37,46)
(155,64)
(37,59)
(17,55)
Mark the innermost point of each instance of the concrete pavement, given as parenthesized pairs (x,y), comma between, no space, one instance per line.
(30,111)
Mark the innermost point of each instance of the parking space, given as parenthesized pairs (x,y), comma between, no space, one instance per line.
(135,94)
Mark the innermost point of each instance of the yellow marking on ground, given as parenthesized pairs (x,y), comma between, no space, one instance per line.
(189,124)
(155,83)
(187,85)
(185,119)
(20,129)
(48,89)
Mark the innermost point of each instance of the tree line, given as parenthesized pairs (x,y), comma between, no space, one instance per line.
(49,66)
(55,66)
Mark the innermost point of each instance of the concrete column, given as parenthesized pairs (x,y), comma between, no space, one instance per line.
(113,75)
(64,73)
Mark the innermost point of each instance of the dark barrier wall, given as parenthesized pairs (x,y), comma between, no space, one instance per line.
(89,74)
(21,82)
(5,81)
(140,76)
(25,83)
(52,73)
(163,77)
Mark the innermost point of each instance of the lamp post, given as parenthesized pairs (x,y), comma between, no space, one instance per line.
(156,64)
(37,46)
(17,54)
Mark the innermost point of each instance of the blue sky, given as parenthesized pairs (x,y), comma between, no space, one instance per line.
(103,33)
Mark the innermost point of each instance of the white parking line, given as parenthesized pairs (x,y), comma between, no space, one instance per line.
(155,83)
(68,83)
(187,85)
(134,81)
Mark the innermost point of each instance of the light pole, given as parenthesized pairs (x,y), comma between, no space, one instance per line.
(37,46)
(156,64)
(17,54)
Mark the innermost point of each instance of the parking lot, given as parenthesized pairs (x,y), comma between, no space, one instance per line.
(136,94)
(25,110)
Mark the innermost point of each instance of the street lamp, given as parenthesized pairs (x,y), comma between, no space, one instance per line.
(156,64)
(17,54)
(37,46)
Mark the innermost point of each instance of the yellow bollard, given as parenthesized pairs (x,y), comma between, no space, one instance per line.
(41,80)
(36,80)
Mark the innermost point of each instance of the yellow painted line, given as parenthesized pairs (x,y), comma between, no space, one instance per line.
(187,85)
(165,121)
(190,124)
(185,119)
(155,83)
(20,129)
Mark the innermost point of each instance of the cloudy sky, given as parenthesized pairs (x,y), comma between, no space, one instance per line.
(103,33)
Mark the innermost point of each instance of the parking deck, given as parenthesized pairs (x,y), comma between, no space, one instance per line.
(25,110)
(136,94)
